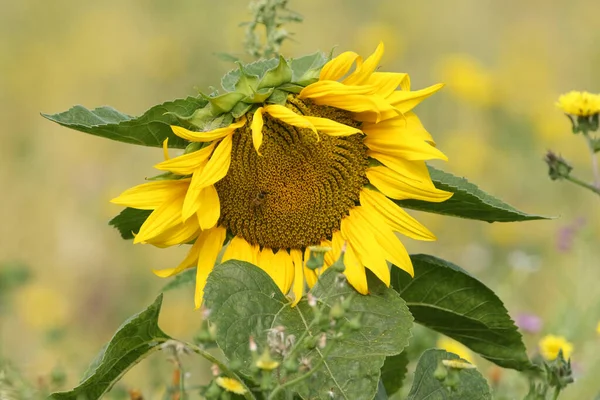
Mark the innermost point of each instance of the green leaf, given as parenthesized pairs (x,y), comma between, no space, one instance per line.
(129,221)
(135,339)
(393,372)
(471,385)
(306,66)
(258,68)
(445,298)
(468,201)
(245,302)
(150,129)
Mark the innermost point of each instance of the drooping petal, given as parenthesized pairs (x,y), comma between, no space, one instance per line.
(412,149)
(288,116)
(386,82)
(178,234)
(209,209)
(208,136)
(332,128)
(217,166)
(394,186)
(283,270)
(298,287)
(405,101)
(412,170)
(357,103)
(211,244)
(355,271)
(256,127)
(395,217)
(361,239)
(323,89)
(166,216)
(389,244)
(166,149)
(151,195)
(189,261)
(186,164)
(338,67)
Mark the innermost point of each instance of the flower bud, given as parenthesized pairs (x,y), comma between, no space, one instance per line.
(336,312)
(440,372)
(558,167)
(266,363)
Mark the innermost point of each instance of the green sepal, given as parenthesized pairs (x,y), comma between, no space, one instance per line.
(277,76)
(225,102)
(259,96)
(278,97)
(240,109)
(247,84)
(203,116)
(305,69)
(291,88)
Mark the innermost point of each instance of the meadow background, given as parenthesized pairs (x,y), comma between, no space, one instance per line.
(67,280)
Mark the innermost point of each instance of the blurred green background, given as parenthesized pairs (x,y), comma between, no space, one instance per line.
(67,280)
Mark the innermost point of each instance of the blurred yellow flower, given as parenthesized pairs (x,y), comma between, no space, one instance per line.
(467,79)
(42,307)
(231,385)
(581,104)
(550,345)
(452,346)
(598,328)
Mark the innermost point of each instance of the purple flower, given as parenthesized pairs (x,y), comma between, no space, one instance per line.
(529,323)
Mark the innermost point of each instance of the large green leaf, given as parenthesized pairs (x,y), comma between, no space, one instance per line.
(135,339)
(150,129)
(468,201)
(393,372)
(445,298)
(244,303)
(471,385)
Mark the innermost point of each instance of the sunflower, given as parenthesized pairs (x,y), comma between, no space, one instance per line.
(320,169)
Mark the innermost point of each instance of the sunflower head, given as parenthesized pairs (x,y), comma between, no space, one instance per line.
(296,154)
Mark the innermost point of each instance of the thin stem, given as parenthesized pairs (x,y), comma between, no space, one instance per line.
(583,184)
(248,395)
(282,386)
(556,393)
(590,144)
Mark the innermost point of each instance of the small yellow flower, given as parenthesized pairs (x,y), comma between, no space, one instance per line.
(581,104)
(265,362)
(452,346)
(231,385)
(598,328)
(550,345)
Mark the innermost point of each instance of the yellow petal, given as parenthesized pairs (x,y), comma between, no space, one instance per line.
(369,252)
(266,262)
(283,270)
(166,148)
(209,136)
(332,128)
(357,103)
(288,116)
(412,170)
(362,73)
(189,261)
(179,234)
(386,82)
(239,249)
(336,244)
(393,185)
(256,127)
(212,242)
(405,101)
(218,165)
(338,67)
(310,275)
(392,248)
(151,195)
(191,203)
(209,209)
(322,89)
(355,271)
(395,217)
(408,148)
(298,287)
(164,217)
(405,127)
(186,164)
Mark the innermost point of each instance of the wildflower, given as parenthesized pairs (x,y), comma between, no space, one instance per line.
(530,323)
(550,345)
(265,362)
(231,385)
(452,346)
(579,104)
(318,167)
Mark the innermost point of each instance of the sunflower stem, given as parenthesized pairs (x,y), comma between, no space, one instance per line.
(248,395)
(581,183)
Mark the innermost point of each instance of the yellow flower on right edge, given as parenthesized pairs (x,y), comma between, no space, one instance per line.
(581,104)
(452,346)
(550,345)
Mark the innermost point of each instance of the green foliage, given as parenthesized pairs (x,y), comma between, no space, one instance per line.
(150,129)
(245,302)
(134,340)
(445,298)
(468,201)
(186,278)
(129,221)
(393,372)
(470,386)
